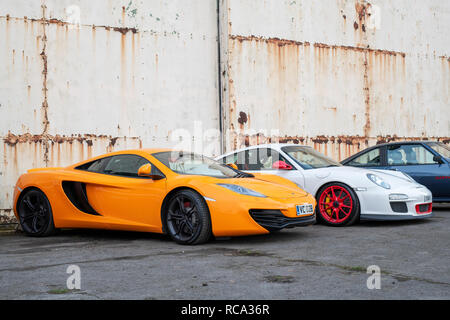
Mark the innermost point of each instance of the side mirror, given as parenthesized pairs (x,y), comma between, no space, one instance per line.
(232,165)
(281,165)
(438,159)
(145,170)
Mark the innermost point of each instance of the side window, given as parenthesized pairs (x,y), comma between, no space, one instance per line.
(94,166)
(255,159)
(267,157)
(240,160)
(232,158)
(409,154)
(368,159)
(125,165)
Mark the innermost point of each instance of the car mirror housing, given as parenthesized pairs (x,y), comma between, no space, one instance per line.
(232,165)
(145,170)
(438,159)
(281,165)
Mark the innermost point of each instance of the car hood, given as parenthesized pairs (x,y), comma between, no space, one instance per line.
(269,189)
(359,175)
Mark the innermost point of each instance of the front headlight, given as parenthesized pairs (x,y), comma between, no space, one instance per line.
(242,190)
(378,181)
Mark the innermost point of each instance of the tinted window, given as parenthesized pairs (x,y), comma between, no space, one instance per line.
(94,166)
(368,159)
(308,158)
(255,159)
(409,154)
(125,165)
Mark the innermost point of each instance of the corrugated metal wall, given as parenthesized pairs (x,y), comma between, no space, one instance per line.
(80,78)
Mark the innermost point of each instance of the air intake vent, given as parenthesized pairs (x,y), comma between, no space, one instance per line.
(76,192)
(273,220)
(399,207)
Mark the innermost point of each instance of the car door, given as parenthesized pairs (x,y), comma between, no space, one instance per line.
(265,160)
(125,198)
(418,161)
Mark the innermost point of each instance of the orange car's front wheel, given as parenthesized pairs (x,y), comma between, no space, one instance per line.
(187,218)
(35,213)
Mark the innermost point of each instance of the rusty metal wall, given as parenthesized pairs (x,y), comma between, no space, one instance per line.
(79,78)
(339,75)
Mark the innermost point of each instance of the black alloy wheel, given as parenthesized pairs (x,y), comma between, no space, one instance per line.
(35,213)
(187,218)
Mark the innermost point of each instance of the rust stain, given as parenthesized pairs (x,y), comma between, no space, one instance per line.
(361,49)
(361,8)
(277,41)
(284,42)
(12,139)
(337,147)
(124,30)
(366,89)
(242,118)
(44,106)
(55,21)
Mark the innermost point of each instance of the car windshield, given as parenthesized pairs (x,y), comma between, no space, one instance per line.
(440,148)
(194,164)
(308,158)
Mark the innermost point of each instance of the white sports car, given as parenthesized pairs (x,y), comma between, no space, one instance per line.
(344,194)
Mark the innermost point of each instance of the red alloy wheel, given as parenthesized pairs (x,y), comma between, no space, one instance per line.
(335,204)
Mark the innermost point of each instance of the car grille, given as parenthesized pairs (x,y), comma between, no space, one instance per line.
(273,220)
(399,207)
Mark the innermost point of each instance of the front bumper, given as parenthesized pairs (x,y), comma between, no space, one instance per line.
(387,217)
(376,205)
(244,215)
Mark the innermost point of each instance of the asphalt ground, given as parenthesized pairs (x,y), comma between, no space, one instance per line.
(314,262)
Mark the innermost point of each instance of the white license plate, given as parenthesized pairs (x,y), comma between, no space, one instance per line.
(305,209)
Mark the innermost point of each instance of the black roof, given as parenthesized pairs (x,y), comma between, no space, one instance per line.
(403,142)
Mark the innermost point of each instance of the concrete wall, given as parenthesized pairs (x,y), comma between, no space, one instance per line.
(80,78)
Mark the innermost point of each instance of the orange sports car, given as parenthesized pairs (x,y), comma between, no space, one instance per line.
(188,196)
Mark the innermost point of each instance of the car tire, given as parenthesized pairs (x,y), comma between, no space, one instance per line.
(337,205)
(187,218)
(35,214)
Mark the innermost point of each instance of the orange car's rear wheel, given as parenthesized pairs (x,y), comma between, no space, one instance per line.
(35,213)
(187,219)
